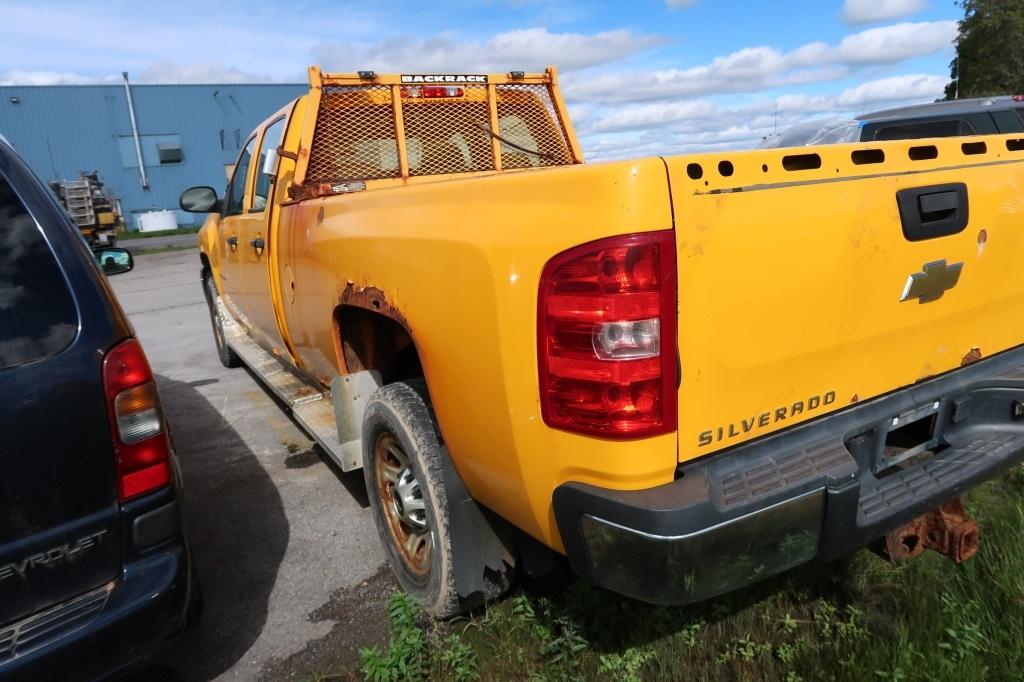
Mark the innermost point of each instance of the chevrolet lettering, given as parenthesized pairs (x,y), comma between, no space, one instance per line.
(526,353)
(50,557)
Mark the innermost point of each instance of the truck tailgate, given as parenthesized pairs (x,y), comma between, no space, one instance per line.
(800,293)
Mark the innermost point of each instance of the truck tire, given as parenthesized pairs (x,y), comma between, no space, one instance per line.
(228,357)
(404,476)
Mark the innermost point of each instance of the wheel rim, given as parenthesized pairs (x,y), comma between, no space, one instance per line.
(401,498)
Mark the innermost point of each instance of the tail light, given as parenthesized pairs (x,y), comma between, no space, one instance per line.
(607,337)
(141,448)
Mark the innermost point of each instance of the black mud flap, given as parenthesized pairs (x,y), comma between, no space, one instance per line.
(477,545)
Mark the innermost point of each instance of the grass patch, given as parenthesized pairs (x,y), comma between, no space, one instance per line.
(128,236)
(860,618)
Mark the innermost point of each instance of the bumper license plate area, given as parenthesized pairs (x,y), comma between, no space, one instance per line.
(910,438)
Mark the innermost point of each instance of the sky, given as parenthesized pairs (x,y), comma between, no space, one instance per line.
(640,78)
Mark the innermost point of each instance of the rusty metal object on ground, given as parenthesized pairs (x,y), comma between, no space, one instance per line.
(946,530)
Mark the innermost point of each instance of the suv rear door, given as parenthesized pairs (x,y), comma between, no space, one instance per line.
(59,519)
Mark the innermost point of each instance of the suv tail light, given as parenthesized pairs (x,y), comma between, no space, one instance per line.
(141,448)
(607,337)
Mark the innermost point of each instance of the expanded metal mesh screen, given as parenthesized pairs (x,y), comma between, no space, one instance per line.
(356,133)
(448,136)
(528,118)
(355,137)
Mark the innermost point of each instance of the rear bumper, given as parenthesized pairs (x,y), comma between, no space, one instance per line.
(115,626)
(810,493)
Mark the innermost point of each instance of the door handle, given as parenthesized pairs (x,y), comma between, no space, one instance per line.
(257,243)
(933,211)
(233,242)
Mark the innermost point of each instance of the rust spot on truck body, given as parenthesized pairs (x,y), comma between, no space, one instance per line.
(373,299)
(972,356)
(362,341)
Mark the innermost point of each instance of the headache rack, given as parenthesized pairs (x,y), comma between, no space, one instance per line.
(363,127)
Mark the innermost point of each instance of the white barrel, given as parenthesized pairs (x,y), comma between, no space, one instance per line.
(158,220)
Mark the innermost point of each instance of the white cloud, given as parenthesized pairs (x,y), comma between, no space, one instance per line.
(203,72)
(759,68)
(527,49)
(679,127)
(159,72)
(26,77)
(918,87)
(896,43)
(868,11)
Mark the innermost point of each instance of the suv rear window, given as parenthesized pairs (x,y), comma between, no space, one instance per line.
(919,129)
(37,314)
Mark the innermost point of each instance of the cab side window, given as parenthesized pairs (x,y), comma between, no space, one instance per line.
(236,190)
(272,138)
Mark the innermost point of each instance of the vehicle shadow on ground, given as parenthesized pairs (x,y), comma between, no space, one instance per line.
(352,481)
(613,623)
(237,533)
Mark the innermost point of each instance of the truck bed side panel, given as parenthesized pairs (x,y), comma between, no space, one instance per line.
(458,263)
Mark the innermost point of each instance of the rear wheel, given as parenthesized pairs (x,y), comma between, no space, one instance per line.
(228,357)
(404,477)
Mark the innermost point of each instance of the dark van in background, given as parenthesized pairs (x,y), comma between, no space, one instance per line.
(956,118)
(94,568)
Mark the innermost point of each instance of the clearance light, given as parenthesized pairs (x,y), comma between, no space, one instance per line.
(607,337)
(431,91)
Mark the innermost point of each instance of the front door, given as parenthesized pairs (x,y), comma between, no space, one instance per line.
(256,243)
(229,239)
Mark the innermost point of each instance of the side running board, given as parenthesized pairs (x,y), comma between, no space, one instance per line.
(312,409)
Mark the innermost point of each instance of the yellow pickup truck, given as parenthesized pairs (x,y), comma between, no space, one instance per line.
(685,373)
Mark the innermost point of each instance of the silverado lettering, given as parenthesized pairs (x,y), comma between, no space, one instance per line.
(562,324)
(765,418)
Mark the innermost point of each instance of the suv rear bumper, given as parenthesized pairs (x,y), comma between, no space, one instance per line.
(114,626)
(808,493)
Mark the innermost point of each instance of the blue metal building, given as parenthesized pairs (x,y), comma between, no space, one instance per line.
(187,135)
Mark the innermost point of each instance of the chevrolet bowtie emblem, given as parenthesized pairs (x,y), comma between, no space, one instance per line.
(935,279)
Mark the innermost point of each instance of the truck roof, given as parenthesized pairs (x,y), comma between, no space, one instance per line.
(952,107)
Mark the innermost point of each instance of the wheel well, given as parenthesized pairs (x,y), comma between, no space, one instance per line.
(370,340)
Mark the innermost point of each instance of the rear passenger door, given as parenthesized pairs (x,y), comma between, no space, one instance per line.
(229,232)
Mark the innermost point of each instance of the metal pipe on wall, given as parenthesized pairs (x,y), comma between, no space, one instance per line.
(135,131)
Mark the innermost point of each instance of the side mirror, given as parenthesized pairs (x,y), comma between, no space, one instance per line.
(199,200)
(270,162)
(113,260)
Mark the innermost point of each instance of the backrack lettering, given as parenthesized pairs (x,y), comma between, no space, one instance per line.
(444,79)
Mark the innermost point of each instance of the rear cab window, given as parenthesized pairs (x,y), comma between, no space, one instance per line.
(381,131)
(38,316)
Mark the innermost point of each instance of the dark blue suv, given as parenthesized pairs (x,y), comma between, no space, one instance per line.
(94,569)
